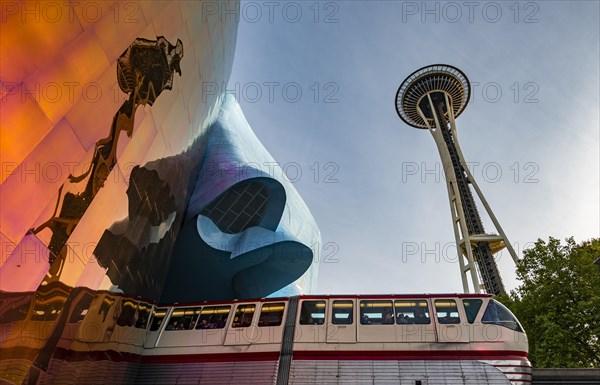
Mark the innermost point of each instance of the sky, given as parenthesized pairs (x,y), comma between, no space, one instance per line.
(317,83)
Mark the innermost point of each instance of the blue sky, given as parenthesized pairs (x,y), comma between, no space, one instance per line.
(317,83)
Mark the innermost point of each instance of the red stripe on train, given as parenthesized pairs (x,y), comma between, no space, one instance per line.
(115,356)
(341,355)
(111,355)
(411,355)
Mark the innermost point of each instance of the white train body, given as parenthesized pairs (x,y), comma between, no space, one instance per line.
(360,339)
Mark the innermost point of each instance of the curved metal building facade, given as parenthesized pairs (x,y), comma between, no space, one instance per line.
(110,202)
(248,234)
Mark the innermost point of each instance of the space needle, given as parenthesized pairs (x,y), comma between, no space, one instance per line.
(432,98)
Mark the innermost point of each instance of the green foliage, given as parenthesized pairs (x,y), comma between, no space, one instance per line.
(558,303)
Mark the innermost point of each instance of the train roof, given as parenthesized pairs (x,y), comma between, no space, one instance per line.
(334,296)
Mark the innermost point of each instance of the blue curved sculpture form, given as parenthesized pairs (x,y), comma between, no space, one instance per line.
(248,233)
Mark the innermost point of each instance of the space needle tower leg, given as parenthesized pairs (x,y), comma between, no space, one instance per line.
(431,98)
(463,243)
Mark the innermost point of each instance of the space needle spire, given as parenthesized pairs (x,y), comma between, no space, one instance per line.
(432,98)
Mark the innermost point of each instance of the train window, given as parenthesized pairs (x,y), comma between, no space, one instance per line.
(498,314)
(127,314)
(312,313)
(183,319)
(81,309)
(158,316)
(143,315)
(472,307)
(213,317)
(412,312)
(446,311)
(376,313)
(105,306)
(342,312)
(243,316)
(271,314)
(47,307)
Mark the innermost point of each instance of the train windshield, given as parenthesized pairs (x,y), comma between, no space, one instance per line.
(472,307)
(498,314)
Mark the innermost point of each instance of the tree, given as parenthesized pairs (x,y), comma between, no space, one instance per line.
(558,303)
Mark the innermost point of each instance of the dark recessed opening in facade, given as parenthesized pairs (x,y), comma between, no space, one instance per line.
(242,206)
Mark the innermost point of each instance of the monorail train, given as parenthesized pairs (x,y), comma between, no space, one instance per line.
(63,335)
(357,339)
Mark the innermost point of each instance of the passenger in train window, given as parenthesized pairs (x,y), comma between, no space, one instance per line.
(243,316)
(271,314)
(312,313)
(142,322)
(220,324)
(203,324)
(388,318)
(364,320)
(420,317)
(402,319)
(242,322)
